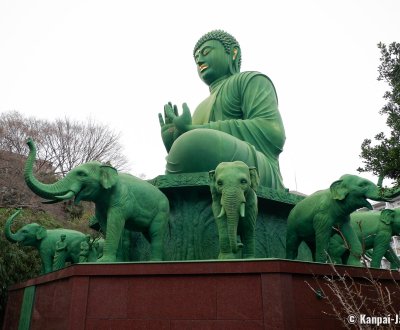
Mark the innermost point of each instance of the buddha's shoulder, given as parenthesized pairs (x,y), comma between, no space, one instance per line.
(247,76)
(251,80)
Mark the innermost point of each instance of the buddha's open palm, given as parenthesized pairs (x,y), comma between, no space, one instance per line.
(173,124)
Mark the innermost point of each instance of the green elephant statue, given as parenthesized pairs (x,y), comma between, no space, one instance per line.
(314,219)
(45,241)
(234,205)
(121,201)
(374,230)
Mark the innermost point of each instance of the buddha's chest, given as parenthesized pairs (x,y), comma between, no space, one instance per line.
(219,106)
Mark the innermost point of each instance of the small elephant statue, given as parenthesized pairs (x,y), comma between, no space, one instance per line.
(45,241)
(374,230)
(121,201)
(314,219)
(234,204)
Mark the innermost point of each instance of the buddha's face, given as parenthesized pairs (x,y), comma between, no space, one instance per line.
(212,61)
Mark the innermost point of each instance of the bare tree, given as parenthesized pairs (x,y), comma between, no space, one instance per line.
(62,144)
(14,129)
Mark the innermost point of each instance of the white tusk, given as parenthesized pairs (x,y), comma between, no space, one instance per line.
(68,195)
(222,213)
(242,209)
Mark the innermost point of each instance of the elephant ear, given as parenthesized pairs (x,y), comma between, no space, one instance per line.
(387,216)
(254,178)
(41,233)
(339,190)
(108,176)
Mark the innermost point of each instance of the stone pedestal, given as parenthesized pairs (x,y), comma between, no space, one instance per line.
(192,232)
(258,294)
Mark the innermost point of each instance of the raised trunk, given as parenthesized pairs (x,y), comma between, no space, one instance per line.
(383,195)
(7,228)
(390,193)
(47,191)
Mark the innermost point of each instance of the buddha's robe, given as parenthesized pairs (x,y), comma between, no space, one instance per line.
(240,121)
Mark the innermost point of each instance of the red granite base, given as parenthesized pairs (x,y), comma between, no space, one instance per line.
(261,294)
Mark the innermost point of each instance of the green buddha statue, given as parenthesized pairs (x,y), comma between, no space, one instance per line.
(239,120)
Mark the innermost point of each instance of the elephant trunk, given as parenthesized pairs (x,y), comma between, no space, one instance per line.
(7,229)
(390,194)
(233,205)
(385,195)
(56,192)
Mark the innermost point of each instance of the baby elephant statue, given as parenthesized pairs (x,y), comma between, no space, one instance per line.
(121,201)
(374,230)
(234,205)
(314,219)
(45,241)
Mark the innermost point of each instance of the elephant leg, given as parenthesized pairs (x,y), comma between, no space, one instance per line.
(322,238)
(47,263)
(354,244)
(292,245)
(336,249)
(156,233)
(377,258)
(391,256)
(381,244)
(247,234)
(115,226)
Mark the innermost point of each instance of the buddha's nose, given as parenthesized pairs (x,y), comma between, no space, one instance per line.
(199,63)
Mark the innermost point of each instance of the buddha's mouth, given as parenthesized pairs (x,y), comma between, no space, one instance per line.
(203,67)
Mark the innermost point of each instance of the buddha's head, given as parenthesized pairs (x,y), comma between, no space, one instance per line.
(217,54)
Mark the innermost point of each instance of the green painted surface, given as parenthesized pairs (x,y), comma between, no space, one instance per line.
(122,201)
(239,120)
(312,219)
(375,230)
(192,232)
(56,247)
(26,308)
(233,188)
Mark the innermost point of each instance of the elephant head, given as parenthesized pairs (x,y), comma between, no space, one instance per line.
(353,191)
(233,184)
(29,235)
(85,182)
(391,218)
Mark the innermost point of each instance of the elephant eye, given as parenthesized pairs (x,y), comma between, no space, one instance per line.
(244,181)
(81,173)
(219,182)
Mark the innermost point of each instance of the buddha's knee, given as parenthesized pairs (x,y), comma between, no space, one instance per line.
(196,150)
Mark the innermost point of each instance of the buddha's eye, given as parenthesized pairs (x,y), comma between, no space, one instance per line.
(206,51)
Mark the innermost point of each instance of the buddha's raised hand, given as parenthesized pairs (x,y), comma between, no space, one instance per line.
(173,124)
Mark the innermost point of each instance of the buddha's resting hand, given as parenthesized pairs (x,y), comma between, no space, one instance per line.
(174,124)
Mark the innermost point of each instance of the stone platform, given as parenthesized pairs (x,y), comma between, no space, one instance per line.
(256,294)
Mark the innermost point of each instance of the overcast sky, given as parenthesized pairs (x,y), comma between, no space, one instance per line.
(120,62)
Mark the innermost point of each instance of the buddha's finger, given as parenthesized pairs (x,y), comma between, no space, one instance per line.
(161,119)
(185,108)
(170,113)
(167,114)
(176,110)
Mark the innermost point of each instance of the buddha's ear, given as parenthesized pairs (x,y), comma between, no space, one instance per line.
(235,59)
